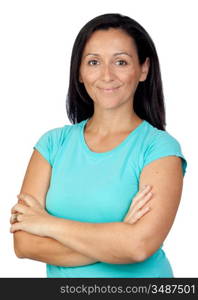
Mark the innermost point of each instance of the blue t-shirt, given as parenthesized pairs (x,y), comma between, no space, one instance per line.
(87,186)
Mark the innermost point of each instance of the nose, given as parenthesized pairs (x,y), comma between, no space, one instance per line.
(107,73)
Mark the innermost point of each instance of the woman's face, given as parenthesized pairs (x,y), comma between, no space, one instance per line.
(110,70)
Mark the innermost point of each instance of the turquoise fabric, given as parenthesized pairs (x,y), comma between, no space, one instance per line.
(98,187)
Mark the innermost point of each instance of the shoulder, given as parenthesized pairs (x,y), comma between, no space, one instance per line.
(155,137)
(52,140)
(58,135)
(159,143)
(153,134)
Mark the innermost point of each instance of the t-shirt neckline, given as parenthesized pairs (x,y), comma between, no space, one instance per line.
(119,146)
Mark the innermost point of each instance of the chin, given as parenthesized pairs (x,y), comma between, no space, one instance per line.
(110,105)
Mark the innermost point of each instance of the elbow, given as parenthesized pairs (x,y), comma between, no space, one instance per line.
(144,251)
(140,256)
(19,246)
(139,253)
(134,254)
(130,257)
(18,253)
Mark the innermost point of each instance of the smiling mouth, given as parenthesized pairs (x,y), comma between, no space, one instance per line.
(109,89)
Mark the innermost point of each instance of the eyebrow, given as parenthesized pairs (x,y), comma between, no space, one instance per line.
(115,54)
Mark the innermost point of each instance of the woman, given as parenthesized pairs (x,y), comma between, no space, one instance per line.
(100,196)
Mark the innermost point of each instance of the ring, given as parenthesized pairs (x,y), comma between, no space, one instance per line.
(14,217)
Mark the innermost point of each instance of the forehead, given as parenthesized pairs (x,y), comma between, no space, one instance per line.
(109,40)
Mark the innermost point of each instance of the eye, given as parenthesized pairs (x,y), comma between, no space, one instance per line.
(121,62)
(93,62)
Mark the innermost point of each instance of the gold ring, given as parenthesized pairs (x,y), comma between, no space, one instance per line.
(15,217)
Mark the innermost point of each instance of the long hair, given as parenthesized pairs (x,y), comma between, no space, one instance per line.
(148,101)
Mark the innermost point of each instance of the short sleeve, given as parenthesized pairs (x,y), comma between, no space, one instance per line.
(164,145)
(49,143)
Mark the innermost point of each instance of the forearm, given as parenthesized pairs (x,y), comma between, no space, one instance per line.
(107,242)
(116,243)
(48,250)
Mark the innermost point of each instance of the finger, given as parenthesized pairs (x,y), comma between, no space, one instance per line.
(140,195)
(131,218)
(16,218)
(142,192)
(19,217)
(143,201)
(22,202)
(139,205)
(13,210)
(29,200)
(13,218)
(142,212)
(15,227)
(142,187)
(19,208)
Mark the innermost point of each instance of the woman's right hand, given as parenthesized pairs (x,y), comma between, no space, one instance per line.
(139,206)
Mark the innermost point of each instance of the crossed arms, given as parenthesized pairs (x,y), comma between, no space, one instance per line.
(72,243)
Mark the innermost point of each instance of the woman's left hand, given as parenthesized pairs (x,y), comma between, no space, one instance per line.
(29,215)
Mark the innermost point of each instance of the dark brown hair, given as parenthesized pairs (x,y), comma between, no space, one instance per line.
(148,99)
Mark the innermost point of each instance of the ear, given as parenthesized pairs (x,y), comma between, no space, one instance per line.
(145,69)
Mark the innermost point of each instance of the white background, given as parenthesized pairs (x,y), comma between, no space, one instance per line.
(36,40)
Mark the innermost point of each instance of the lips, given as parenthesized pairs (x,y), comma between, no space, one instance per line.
(109,89)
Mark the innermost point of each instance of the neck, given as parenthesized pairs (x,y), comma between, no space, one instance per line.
(109,124)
